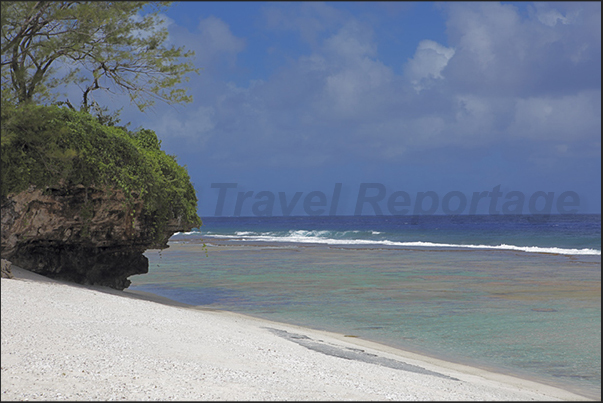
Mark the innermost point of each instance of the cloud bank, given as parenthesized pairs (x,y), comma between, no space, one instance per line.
(503,78)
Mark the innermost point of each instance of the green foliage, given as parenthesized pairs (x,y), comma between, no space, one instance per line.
(116,46)
(53,146)
(47,46)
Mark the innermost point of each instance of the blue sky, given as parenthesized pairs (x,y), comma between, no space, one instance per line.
(441,97)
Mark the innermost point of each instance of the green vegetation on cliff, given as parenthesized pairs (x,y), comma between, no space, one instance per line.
(49,47)
(51,146)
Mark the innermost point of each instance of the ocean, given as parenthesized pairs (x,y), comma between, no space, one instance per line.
(516,294)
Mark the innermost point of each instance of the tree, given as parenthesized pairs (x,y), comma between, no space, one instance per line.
(112,46)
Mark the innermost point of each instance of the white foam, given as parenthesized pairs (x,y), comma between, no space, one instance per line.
(303,236)
(245,233)
(186,233)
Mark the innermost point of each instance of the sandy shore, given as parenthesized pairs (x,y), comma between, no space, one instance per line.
(67,342)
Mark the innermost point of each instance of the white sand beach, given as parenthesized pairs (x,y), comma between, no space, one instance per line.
(67,342)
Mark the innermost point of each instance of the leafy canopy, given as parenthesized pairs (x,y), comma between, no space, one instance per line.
(51,146)
(108,45)
(115,46)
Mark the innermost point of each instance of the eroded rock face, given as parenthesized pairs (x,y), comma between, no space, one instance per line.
(6,272)
(87,236)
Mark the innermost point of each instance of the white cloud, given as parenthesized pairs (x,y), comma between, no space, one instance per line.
(501,79)
(475,118)
(197,127)
(310,19)
(551,16)
(314,62)
(560,119)
(500,52)
(427,64)
(216,40)
(215,46)
(484,35)
(353,79)
(349,91)
(352,41)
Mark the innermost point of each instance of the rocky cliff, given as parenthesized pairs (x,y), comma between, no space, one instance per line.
(84,235)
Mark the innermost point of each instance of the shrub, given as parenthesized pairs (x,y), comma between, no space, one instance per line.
(50,146)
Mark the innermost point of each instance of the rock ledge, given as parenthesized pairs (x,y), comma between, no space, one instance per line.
(78,234)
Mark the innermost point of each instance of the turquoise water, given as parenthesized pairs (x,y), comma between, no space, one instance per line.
(536,315)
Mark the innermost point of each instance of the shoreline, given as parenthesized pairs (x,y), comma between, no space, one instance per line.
(490,372)
(241,357)
(590,390)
